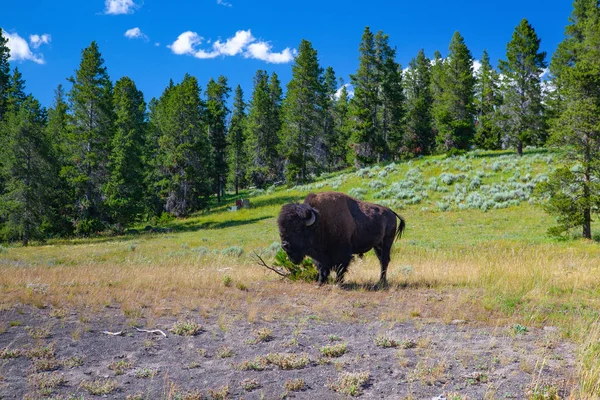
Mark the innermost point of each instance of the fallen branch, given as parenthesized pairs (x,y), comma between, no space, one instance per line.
(152,331)
(113,333)
(277,270)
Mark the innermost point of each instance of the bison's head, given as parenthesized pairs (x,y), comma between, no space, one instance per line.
(297,224)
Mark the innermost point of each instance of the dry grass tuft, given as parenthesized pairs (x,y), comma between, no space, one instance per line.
(250,384)
(350,383)
(288,360)
(100,387)
(186,328)
(334,350)
(119,367)
(295,385)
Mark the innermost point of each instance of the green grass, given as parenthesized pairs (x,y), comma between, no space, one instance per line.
(497,264)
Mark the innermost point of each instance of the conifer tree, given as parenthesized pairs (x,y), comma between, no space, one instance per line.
(216,112)
(302,114)
(15,94)
(340,150)
(237,142)
(391,98)
(419,138)
(488,99)
(91,99)
(60,211)
(184,153)
(262,131)
(125,188)
(454,112)
(25,170)
(522,93)
(573,189)
(4,73)
(330,136)
(364,105)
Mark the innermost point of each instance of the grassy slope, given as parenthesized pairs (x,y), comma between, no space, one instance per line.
(498,263)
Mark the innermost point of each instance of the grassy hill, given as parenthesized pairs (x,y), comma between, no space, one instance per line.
(474,233)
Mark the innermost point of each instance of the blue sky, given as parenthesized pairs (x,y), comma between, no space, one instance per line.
(207,38)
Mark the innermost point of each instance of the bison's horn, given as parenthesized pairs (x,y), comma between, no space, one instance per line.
(312,218)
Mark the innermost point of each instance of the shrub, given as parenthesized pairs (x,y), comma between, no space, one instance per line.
(305,271)
(351,383)
(187,328)
(358,193)
(233,251)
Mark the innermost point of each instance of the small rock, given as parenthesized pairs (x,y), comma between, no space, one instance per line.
(458,322)
(550,329)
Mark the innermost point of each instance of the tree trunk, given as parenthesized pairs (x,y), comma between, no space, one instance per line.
(519,148)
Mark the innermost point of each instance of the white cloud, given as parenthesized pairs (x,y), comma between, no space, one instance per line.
(262,51)
(349,90)
(476,66)
(243,42)
(223,3)
(135,33)
(185,43)
(116,7)
(37,40)
(19,49)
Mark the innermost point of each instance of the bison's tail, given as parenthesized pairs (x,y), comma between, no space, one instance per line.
(401,226)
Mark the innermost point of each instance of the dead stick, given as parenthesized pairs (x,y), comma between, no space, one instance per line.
(113,333)
(276,270)
(152,331)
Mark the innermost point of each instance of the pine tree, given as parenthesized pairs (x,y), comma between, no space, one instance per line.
(60,193)
(419,138)
(237,142)
(91,99)
(573,190)
(441,118)
(217,94)
(25,169)
(454,112)
(4,73)
(340,152)
(364,105)
(262,131)
(330,136)
(184,152)
(302,114)
(391,97)
(125,188)
(488,99)
(522,93)
(15,94)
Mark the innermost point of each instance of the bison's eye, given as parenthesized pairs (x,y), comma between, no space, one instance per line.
(285,245)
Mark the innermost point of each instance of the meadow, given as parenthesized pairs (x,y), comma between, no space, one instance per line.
(475,250)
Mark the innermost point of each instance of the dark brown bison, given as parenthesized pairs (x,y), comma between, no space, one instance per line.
(330,227)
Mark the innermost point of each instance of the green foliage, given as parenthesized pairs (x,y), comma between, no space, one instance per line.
(238,155)
(25,171)
(453,88)
(216,113)
(4,73)
(522,108)
(419,134)
(305,271)
(183,163)
(92,119)
(125,187)
(263,125)
(487,100)
(302,116)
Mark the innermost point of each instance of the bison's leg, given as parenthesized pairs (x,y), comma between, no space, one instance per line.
(383,254)
(324,270)
(341,267)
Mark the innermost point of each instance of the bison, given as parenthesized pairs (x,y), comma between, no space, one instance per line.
(330,227)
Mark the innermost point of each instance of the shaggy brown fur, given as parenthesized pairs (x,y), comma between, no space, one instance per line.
(342,226)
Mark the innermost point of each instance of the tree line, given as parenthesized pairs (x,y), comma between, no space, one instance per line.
(102,158)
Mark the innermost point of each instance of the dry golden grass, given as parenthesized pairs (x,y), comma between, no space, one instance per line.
(496,268)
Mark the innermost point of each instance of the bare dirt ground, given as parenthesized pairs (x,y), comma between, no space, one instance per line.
(58,353)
